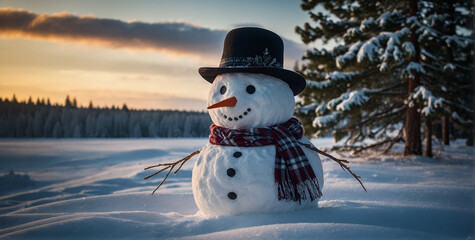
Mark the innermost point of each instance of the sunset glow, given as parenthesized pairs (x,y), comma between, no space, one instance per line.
(52,50)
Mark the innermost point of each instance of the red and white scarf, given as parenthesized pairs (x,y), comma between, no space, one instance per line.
(293,173)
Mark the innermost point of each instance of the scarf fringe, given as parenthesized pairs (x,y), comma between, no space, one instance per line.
(290,192)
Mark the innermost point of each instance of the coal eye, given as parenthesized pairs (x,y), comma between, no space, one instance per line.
(250,89)
(222,90)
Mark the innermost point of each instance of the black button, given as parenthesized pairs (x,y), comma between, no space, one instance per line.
(232,195)
(231,172)
(237,154)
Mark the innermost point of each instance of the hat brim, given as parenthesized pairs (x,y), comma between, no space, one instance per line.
(295,81)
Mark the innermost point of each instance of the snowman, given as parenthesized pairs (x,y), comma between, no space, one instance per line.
(257,159)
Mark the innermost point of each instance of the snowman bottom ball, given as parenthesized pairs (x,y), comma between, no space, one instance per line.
(240,180)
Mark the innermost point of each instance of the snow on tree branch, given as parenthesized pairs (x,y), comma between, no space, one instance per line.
(411,69)
(349,100)
(341,61)
(457,41)
(370,50)
(425,54)
(449,68)
(409,49)
(429,102)
(460,119)
(422,30)
(324,121)
(308,108)
(332,78)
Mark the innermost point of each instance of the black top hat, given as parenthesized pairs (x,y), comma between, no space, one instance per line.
(254,50)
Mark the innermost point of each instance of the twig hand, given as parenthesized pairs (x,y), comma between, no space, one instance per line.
(339,161)
(170,167)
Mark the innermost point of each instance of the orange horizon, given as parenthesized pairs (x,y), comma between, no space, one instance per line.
(80,105)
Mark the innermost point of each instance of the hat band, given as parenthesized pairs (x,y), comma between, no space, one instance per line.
(264,60)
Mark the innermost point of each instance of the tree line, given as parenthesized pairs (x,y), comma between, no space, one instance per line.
(41,119)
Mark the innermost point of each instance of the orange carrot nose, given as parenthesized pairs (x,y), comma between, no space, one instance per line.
(228,102)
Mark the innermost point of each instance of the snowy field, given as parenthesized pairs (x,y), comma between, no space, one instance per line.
(94,189)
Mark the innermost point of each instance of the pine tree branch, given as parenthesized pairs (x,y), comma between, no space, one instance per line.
(169,166)
(387,93)
(341,162)
(372,145)
(381,115)
(397,138)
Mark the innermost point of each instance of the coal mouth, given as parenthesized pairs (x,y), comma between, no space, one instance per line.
(237,118)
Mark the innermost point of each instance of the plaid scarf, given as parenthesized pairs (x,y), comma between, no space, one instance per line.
(293,173)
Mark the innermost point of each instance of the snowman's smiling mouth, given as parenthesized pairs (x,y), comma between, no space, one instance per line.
(230,118)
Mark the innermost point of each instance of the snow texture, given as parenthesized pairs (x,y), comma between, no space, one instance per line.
(94,189)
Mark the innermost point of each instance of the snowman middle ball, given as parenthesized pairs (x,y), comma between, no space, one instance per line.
(233,180)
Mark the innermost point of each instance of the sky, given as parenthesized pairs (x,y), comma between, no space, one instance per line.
(142,53)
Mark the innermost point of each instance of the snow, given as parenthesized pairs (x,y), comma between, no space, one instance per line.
(460,119)
(328,113)
(306,109)
(457,41)
(319,85)
(449,68)
(429,102)
(355,98)
(423,31)
(332,78)
(342,60)
(323,121)
(352,33)
(409,49)
(411,69)
(371,49)
(347,101)
(367,24)
(384,19)
(94,189)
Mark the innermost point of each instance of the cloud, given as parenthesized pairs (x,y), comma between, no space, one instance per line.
(170,37)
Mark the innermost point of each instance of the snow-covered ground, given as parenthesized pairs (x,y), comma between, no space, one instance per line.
(91,189)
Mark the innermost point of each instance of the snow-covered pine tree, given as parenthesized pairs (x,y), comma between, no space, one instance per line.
(446,42)
(379,78)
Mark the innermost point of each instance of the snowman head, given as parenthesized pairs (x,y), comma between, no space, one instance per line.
(247,100)
(250,87)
